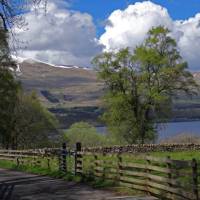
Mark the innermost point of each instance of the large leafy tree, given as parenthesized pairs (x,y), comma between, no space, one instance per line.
(141,85)
(24,122)
(9,88)
(8,93)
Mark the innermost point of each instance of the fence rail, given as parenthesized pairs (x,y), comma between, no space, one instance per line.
(161,177)
(36,157)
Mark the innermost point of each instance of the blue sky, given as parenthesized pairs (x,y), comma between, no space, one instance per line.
(85,28)
(101,9)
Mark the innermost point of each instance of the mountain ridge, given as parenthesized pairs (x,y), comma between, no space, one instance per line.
(71,85)
(74,94)
(20,60)
(65,86)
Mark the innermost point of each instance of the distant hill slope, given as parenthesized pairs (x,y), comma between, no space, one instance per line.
(74,94)
(65,86)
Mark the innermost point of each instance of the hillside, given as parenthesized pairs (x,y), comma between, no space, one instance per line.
(61,86)
(71,93)
(74,93)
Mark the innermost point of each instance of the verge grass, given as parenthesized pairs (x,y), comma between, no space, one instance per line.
(97,183)
(179,155)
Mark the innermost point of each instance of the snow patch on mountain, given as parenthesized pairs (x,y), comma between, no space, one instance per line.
(20,60)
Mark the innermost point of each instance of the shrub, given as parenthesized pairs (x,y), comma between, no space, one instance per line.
(86,134)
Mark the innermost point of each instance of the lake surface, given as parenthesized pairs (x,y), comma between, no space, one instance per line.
(170,129)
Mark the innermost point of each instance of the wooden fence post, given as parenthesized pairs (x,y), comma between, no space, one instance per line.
(34,161)
(95,164)
(195,178)
(148,171)
(104,166)
(77,155)
(120,174)
(17,161)
(169,174)
(59,160)
(63,158)
(48,163)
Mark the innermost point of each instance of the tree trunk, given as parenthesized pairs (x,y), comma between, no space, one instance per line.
(144,127)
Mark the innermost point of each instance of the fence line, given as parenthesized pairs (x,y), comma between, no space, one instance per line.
(161,177)
(34,157)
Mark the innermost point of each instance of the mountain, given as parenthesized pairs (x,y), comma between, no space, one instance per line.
(61,86)
(68,86)
(73,93)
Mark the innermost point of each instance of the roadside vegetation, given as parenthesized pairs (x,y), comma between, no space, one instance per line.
(24,122)
(87,135)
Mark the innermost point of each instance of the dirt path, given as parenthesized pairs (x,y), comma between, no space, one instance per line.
(23,186)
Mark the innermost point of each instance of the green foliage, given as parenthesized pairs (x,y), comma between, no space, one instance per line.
(33,123)
(9,89)
(5,58)
(86,134)
(141,85)
(24,122)
(8,92)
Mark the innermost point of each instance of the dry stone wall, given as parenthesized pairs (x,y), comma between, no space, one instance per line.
(145,148)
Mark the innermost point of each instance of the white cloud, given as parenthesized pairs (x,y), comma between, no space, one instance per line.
(61,36)
(189,40)
(129,28)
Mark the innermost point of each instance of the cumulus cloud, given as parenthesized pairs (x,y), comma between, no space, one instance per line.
(129,27)
(189,40)
(60,36)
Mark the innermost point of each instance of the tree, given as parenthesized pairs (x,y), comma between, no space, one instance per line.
(10,11)
(9,88)
(24,122)
(8,93)
(84,133)
(141,85)
(5,58)
(32,123)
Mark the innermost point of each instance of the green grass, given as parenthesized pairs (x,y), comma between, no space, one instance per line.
(7,164)
(54,173)
(183,155)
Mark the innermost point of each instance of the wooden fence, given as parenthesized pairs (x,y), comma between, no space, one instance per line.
(161,177)
(164,178)
(34,158)
(55,159)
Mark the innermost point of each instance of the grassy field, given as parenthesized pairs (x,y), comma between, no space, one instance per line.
(184,155)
